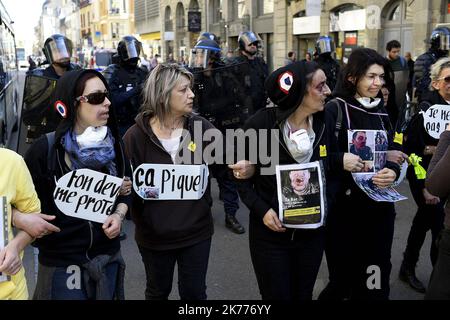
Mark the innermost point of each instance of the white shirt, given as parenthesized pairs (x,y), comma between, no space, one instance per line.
(171,145)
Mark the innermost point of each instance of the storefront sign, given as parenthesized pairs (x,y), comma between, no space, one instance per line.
(306,25)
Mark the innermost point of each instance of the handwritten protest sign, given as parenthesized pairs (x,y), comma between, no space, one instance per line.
(3,231)
(87,194)
(436,119)
(170,182)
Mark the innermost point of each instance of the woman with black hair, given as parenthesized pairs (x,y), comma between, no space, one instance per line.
(87,137)
(286,260)
(359,230)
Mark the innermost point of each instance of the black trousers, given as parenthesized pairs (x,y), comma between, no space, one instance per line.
(192,266)
(428,217)
(227,189)
(359,235)
(439,287)
(287,270)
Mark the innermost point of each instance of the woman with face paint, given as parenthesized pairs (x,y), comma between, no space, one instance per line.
(86,138)
(359,229)
(286,260)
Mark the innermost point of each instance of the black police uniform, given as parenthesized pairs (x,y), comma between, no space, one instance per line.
(330,67)
(125,85)
(42,117)
(253,74)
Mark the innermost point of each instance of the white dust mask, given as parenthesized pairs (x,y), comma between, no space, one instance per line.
(302,142)
(92,136)
(369,103)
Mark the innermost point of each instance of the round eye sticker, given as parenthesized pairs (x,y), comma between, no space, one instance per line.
(285,81)
(61,108)
(436,119)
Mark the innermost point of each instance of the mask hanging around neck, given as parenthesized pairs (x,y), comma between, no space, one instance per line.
(369,103)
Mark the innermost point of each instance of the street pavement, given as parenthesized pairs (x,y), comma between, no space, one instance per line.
(230,273)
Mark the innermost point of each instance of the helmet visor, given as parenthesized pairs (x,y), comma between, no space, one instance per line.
(131,49)
(325,45)
(445,42)
(200,58)
(60,50)
(250,37)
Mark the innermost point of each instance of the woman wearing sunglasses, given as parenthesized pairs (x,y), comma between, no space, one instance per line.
(430,210)
(83,260)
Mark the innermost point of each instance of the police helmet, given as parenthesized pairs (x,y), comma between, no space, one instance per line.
(325,44)
(440,38)
(58,49)
(129,48)
(208,35)
(204,51)
(248,37)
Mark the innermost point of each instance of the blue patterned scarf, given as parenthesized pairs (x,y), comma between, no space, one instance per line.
(95,158)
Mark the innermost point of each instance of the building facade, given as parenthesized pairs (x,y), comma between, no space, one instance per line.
(148,25)
(295,25)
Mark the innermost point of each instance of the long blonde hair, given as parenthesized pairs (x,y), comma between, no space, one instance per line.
(158,87)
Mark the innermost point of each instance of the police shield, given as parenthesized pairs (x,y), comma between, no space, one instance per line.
(220,97)
(37,113)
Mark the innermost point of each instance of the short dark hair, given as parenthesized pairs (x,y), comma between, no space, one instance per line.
(393,44)
(290,54)
(359,62)
(356,133)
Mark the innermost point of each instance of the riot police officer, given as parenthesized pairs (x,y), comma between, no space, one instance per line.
(125,78)
(220,98)
(38,115)
(439,46)
(325,48)
(253,70)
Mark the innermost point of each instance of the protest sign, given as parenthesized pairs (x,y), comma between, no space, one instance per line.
(87,194)
(3,231)
(301,195)
(170,182)
(436,119)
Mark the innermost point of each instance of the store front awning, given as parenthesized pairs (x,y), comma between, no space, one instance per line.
(151,36)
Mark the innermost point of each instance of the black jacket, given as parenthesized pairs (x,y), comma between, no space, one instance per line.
(126,87)
(167,224)
(260,192)
(79,240)
(253,74)
(417,137)
(339,180)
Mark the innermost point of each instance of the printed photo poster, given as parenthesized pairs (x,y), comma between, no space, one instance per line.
(372,146)
(170,182)
(3,231)
(301,195)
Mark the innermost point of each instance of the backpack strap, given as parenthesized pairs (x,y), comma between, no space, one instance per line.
(338,126)
(50,151)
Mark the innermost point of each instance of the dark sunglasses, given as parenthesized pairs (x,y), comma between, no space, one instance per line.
(95,97)
(446,79)
(254,44)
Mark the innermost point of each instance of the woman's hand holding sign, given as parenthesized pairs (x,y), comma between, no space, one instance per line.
(10,262)
(125,189)
(272,222)
(352,162)
(384,178)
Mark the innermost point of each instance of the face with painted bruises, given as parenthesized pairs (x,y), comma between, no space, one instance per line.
(317,92)
(93,112)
